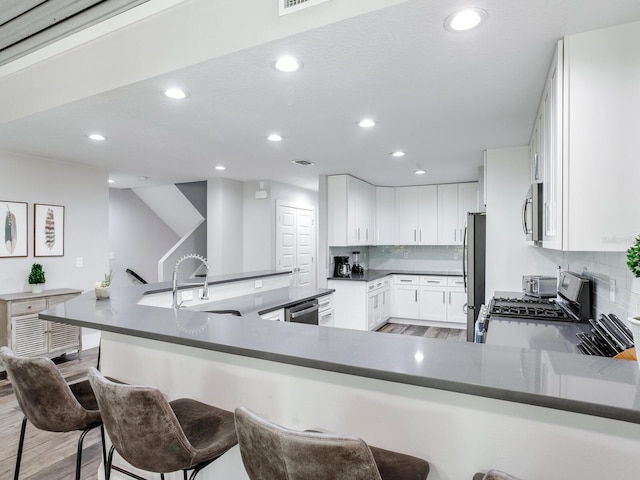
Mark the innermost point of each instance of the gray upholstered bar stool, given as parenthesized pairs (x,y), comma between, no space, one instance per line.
(271,452)
(159,436)
(49,403)
(494,475)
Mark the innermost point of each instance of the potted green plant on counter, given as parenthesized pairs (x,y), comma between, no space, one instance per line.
(103,288)
(633,262)
(36,278)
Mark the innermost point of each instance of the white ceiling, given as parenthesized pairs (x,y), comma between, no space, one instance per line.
(442,97)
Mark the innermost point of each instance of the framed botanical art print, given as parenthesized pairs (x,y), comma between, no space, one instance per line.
(48,235)
(14,215)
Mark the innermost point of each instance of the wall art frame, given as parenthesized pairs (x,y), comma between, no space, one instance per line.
(48,230)
(14,218)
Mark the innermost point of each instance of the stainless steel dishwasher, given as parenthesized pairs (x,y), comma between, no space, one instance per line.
(303,312)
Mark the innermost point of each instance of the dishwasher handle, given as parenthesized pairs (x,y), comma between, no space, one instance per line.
(306,311)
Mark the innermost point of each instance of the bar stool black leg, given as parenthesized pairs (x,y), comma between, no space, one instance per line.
(20,445)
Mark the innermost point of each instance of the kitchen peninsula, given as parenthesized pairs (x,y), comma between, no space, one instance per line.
(462,406)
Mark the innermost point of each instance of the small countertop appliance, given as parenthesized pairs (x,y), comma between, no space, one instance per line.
(356,268)
(341,266)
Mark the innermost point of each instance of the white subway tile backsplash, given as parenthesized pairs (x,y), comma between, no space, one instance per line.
(612,282)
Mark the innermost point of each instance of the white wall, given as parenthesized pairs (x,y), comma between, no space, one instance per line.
(259,220)
(138,238)
(83,191)
(224,226)
(508,178)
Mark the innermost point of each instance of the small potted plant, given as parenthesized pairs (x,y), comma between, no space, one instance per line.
(103,288)
(633,262)
(36,278)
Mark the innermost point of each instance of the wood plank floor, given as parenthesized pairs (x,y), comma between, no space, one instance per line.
(47,455)
(454,334)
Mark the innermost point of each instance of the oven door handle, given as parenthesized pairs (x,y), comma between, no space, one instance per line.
(306,311)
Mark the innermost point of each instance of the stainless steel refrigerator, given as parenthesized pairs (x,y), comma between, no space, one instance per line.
(473,267)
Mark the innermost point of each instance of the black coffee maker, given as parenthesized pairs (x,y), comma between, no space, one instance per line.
(341,267)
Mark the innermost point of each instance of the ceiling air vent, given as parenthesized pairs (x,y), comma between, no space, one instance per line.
(303,163)
(290,6)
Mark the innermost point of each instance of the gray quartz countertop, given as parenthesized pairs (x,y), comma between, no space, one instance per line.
(265,302)
(577,383)
(371,275)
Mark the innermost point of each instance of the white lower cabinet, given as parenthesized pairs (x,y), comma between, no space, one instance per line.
(456,301)
(325,311)
(432,298)
(361,305)
(275,315)
(406,301)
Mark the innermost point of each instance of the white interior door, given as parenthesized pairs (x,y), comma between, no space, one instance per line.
(296,242)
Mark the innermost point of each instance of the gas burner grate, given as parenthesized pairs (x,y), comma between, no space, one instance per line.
(526,308)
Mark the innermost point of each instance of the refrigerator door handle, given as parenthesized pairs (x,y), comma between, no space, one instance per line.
(464,259)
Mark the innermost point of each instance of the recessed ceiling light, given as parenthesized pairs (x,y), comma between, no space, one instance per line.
(112,181)
(288,64)
(176,93)
(420,172)
(143,178)
(97,137)
(220,167)
(466,19)
(274,137)
(367,123)
(398,154)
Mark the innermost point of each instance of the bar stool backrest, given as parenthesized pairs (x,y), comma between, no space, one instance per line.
(272,452)
(43,395)
(141,425)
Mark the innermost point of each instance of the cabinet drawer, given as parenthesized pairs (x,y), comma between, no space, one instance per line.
(28,306)
(325,303)
(431,281)
(376,284)
(455,282)
(325,318)
(406,279)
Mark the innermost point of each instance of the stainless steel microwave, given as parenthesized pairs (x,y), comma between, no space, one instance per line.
(532,214)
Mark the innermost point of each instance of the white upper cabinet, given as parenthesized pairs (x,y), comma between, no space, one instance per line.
(351,210)
(385,230)
(546,152)
(448,214)
(592,114)
(455,200)
(417,215)
(361,214)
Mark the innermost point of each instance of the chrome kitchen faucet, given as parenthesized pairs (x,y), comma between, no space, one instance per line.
(174,282)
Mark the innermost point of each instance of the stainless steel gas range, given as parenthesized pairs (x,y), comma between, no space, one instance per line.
(546,323)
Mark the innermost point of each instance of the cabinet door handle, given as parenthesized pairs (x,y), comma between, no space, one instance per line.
(455,234)
(420,235)
(443,297)
(415,235)
(449,298)
(416,292)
